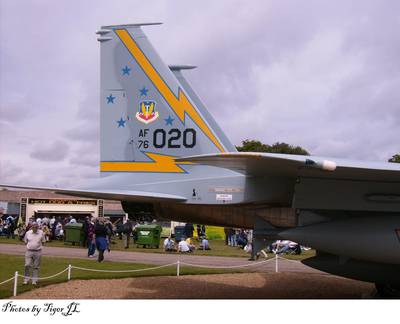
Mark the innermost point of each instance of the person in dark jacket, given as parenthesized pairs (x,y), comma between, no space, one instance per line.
(110,231)
(189,228)
(127,230)
(242,239)
(85,226)
(198,229)
(10,221)
(91,239)
(100,234)
(226,231)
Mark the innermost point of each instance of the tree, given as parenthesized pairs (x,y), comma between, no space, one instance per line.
(257,146)
(395,158)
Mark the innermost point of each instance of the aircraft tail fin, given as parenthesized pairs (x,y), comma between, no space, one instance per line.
(149,113)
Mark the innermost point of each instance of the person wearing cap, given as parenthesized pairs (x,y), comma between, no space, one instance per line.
(34,239)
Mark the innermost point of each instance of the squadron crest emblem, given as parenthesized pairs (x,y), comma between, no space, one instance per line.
(147,111)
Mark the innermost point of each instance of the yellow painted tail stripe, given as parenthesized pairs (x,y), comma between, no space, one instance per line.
(160,163)
(180,105)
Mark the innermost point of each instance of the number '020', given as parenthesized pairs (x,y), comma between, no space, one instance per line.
(174,138)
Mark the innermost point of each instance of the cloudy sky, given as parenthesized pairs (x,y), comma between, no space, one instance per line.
(321,74)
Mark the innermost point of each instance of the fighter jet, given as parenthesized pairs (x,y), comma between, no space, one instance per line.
(163,153)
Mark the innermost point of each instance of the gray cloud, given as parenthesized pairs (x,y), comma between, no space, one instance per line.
(9,171)
(86,154)
(88,160)
(324,79)
(84,132)
(15,106)
(56,151)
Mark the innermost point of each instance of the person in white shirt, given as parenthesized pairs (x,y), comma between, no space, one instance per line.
(183,246)
(169,245)
(282,246)
(34,240)
(52,221)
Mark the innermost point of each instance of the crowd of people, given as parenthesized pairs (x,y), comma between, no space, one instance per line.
(238,237)
(98,233)
(234,237)
(52,228)
(244,239)
(186,243)
(8,226)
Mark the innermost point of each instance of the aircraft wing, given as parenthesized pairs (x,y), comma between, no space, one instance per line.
(287,165)
(125,195)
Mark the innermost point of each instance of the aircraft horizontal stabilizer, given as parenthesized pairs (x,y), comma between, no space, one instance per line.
(288,165)
(125,195)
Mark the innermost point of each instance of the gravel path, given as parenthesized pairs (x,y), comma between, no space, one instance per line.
(226,286)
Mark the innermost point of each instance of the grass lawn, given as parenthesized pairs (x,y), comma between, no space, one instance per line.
(218,248)
(50,266)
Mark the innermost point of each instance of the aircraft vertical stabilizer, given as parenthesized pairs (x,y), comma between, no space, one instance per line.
(149,114)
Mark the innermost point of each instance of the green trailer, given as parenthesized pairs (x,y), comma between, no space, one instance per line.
(74,233)
(148,236)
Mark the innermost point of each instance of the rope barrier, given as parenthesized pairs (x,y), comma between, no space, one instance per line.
(8,280)
(45,278)
(282,258)
(178,265)
(146,269)
(121,271)
(225,267)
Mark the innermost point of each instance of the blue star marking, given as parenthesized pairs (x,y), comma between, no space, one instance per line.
(110,99)
(169,120)
(121,123)
(143,91)
(126,70)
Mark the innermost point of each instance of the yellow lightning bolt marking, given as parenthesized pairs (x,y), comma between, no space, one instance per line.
(160,163)
(180,105)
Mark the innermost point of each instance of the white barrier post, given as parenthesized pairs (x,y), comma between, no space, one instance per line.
(15,283)
(69,272)
(276,263)
(177,268)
